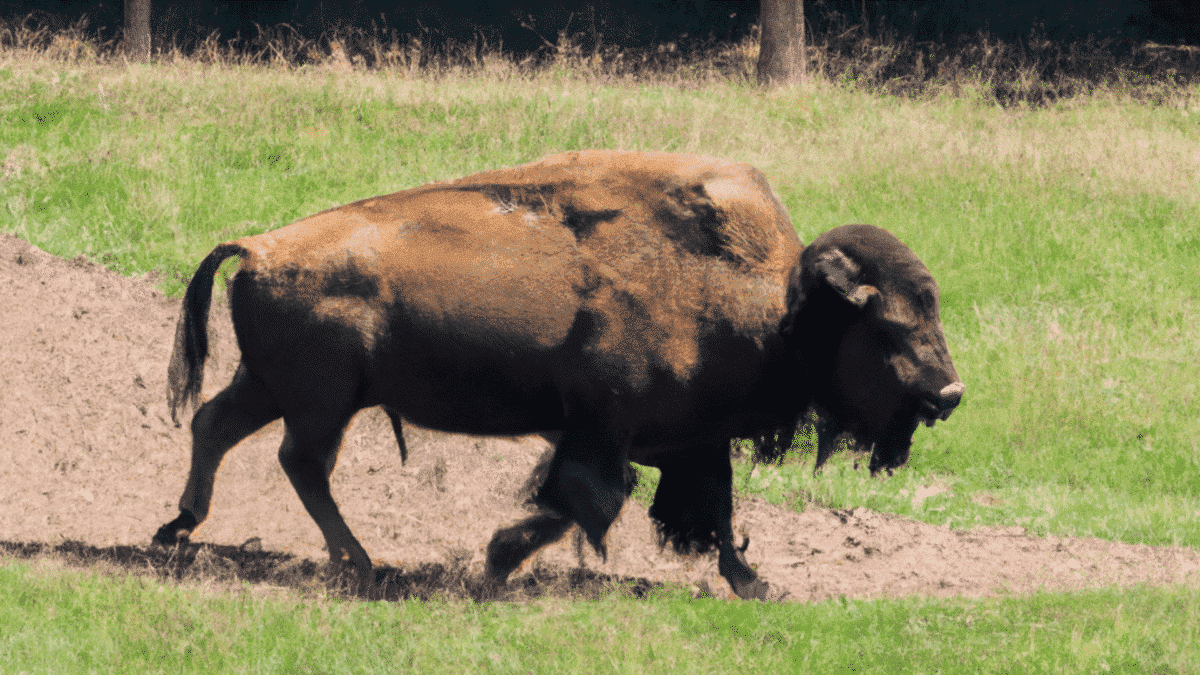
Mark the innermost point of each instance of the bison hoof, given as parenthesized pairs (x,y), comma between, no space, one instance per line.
(350,578)
(508,548)
(754,589)
(176,531)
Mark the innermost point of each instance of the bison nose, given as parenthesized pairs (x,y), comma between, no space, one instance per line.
(939,406)
(951,395)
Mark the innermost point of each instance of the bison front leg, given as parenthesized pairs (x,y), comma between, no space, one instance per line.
(586,484)
(308,455)
(829,435)
(694,508)
(511,546)
(732,565)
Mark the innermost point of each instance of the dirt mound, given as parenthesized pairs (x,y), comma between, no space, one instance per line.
(95,466)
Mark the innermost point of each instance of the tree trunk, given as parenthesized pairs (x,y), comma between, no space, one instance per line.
(781,54)
(137,30)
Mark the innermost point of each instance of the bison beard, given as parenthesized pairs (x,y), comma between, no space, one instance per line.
(636,307)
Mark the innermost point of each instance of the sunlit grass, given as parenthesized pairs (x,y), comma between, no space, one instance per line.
(989,495)
(64,621)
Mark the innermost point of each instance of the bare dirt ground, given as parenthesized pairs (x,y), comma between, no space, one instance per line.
(93,465)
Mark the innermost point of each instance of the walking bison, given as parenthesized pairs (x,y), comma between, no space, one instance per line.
(649,307)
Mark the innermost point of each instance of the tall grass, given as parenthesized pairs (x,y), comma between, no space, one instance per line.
(1065,237)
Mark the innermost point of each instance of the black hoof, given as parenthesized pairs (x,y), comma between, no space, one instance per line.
(741,576)
(176,531)
(351,579)
(505,553)
(511,546)
(755,589)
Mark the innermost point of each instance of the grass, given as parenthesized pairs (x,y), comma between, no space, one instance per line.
(67,621)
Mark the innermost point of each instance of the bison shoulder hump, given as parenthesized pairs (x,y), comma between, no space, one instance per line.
(729,216)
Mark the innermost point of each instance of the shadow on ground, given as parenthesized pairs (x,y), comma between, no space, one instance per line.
(233,564)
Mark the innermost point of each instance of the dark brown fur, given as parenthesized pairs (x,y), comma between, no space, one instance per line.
(650,307)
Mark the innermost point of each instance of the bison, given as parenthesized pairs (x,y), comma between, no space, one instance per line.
(638,307)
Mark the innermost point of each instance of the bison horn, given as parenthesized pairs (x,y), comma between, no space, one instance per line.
(842,274)
(859,296)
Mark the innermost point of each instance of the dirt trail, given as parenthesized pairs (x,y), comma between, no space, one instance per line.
(91,455)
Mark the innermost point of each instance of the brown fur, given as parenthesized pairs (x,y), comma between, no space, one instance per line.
(652,307)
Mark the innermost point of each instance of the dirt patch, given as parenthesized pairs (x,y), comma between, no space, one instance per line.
(95,465)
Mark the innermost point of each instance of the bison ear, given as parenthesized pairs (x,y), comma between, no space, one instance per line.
(842,274)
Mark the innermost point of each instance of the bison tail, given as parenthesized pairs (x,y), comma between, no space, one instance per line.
(185,374)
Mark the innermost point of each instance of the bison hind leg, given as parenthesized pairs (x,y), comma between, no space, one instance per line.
(177,530)
(529,491)
(242,408)
(588,481)
(308,453)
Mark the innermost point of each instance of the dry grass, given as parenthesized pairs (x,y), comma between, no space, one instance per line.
(1121,149)
(1035,71)
(1031,72)
(1091,145)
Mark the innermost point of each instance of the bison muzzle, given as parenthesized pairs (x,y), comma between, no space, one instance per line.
(638,307)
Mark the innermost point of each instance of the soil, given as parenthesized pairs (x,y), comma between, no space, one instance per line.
(94,465)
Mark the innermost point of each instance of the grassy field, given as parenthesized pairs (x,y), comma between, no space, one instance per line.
(68,621)
(1066,241)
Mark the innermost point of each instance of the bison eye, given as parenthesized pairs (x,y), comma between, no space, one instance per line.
(926,301)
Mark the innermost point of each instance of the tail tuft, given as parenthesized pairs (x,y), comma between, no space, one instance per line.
(185,373)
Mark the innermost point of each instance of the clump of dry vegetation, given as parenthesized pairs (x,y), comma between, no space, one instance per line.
(1034,71)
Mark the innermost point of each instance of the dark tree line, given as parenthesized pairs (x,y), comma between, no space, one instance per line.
(523,27)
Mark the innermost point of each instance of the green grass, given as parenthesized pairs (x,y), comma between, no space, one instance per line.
(1066,239)
(66,621)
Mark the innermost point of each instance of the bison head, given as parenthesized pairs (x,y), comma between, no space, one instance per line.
(868,331)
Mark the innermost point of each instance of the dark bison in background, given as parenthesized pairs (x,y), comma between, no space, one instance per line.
(650,307)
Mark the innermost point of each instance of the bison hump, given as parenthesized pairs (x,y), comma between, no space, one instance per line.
(707,207)
(731,215)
